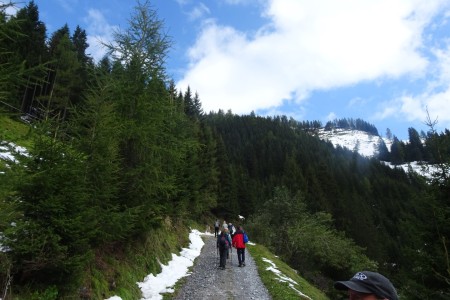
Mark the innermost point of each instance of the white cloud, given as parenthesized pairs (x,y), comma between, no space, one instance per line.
(306,46)
(198,12)
(437,105)
(413,108)
(297,114)
(435,99)
(357,102)
(331,116)
(99,31)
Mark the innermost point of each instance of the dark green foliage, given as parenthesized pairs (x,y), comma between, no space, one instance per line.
(97,130)
(383,152)
(52,235)
(65,80)
(414,149)
(353,124)
(123,160)
(307,241)
(365,198)
(130,153)
(22,46)
(397,152)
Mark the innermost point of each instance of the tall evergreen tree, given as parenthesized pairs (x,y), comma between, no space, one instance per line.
(28,51)
(397,151)
(155,143)
(79,40)
(414,149)
(50,241)
(65,85)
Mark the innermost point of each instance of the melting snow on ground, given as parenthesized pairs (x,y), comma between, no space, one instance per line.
(6,148)
(283,278)
(153,286)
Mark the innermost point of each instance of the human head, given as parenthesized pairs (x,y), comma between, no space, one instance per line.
(366,285)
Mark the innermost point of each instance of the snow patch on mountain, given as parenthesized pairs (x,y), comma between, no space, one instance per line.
(367,145)
(364,143)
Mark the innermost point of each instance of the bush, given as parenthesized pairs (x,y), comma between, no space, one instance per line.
(308,242)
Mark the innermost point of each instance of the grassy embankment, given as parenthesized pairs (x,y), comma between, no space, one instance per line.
(14,131)
(282,289)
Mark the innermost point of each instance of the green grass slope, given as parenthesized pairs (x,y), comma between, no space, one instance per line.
(281,280)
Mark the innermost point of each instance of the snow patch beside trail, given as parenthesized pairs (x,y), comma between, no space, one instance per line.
(153,286)
(283,278)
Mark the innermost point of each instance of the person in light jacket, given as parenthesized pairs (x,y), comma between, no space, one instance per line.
(216,228)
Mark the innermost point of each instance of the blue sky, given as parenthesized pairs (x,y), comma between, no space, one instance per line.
(384,61)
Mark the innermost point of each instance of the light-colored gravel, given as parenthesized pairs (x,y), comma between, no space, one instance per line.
(207,281)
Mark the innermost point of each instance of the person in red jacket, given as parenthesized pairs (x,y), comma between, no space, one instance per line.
(238,243)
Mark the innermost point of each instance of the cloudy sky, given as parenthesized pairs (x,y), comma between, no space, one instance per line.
(384,61)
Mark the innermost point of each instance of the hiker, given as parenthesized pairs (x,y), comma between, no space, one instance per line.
(231,229)
(224,225)
(239,244)
(227,232)
(223,243)
(216,228)
(368,285)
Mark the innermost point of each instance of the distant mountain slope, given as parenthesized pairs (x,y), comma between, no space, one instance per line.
(367,144)
(364,143)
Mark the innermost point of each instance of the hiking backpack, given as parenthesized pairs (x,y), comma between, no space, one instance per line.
(223,242)
(245,238)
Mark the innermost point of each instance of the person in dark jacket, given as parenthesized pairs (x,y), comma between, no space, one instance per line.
(238,243)
(223,244)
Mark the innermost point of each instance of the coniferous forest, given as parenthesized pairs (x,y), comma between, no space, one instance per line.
(116,151)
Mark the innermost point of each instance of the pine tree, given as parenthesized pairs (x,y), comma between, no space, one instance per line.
(53,234)
(79,41)
(23,40)
(414,150)
(156,140)
(397,151)
(66,84)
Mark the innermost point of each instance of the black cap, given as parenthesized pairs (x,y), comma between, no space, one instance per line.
(371,283)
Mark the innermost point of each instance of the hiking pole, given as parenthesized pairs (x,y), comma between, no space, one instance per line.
(231,250)
(217,255)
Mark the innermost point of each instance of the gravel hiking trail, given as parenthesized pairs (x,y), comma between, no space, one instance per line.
(207,281)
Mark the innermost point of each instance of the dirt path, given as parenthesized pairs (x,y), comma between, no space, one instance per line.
(207,281)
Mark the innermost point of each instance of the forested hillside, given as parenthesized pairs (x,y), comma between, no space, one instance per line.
(116,154)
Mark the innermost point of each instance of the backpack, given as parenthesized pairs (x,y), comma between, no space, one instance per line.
(223,242)
(245,238)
